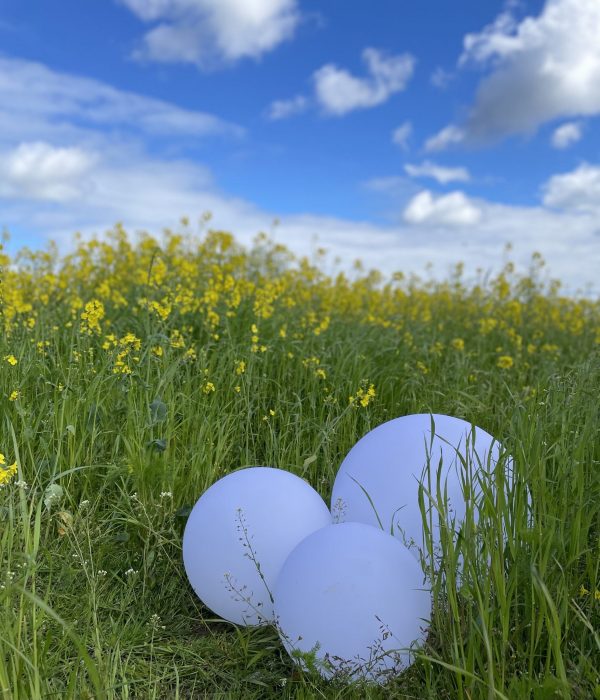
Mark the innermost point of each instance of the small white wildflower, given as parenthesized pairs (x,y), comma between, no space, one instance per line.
(130,572)
(84,504)
(166,494)
(102,572)
(22,484)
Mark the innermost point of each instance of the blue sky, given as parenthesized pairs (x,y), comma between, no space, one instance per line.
(398,132)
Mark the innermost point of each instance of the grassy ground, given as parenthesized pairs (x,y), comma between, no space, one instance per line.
(134,376)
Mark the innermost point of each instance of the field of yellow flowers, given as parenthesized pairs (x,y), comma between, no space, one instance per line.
(134,373)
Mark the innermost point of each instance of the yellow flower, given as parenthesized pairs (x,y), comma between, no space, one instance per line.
(91,317)
(14,395)
(157,351)
(240,367)
(422,367)
(320,373)
(7,473)
(596,595)
(11,359)
(583,591)
(2,458)
(505,362)
(208,387)
(237,388)
(458,344)
(363,396)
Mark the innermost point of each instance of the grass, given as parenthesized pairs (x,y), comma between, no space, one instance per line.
(146,371)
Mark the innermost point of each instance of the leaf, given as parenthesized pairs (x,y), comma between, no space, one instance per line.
(308,461)
(121,536)
(53,495)
(70,429)
(183,512)
(159,444)
(158,411)
(65,517)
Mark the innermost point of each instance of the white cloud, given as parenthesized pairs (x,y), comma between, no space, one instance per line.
(454,209)
(441,78)
(39,103)
(38,170)
(542,68)
(209,32)
(567,134)
(402,134)
(578,190)
(438,172)
(448,136)
(281,109)
(339,92)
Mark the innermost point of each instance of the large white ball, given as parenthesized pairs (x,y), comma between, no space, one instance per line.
(354,595)
(239,534)
(378,481)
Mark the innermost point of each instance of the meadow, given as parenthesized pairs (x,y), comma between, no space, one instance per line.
(137,371)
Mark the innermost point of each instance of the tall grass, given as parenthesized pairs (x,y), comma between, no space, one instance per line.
(128,399)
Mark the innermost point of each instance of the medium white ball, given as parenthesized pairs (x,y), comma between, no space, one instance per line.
(239,534)
(354,595)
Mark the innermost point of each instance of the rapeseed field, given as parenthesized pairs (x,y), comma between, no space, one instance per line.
(136,371)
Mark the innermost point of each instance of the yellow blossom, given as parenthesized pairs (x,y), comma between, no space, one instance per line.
(505,362)
(240,367)
(91,316)
(14,395)
(11,359)
(458,344)
(7,473)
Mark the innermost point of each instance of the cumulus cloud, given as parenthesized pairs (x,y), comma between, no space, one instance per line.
(402,134)
(339,92)
(40,103)
(438,172)
(453,209)
(207,33)
(448,136)
(567,134)
(578,190)
(38,170)
(281,109)
(542,68)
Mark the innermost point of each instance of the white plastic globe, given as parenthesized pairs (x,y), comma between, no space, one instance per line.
(239,534)
(354,596)
(378,481)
